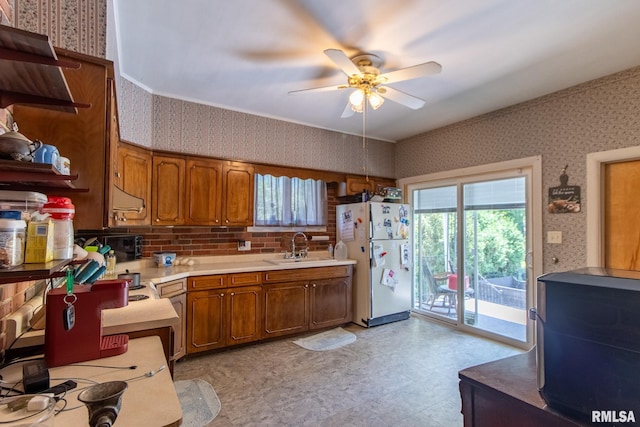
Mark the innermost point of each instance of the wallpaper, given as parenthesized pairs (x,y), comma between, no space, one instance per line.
(562,127)
(78,25)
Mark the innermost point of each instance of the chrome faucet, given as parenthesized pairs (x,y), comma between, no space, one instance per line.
(302,253)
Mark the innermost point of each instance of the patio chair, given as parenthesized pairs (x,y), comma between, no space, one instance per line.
(438,291)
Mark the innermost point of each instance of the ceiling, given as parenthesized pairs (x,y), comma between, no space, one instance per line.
(247,55)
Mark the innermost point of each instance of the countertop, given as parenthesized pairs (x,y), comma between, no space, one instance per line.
(138,409)
(227,264)
(156,312)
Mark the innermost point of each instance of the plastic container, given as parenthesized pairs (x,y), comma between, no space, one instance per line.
(330,250)
(30,410)
(12,238)
(340,251)
(62,211)
(27,202)
(164,259)
(110,262)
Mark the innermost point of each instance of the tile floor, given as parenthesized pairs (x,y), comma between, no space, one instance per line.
(399,374)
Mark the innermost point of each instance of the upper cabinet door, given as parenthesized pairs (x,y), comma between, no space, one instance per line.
(168,190)
(204,192)
(133,176)
(238,180)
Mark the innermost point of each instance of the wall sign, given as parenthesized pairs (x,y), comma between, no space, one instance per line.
(565,198)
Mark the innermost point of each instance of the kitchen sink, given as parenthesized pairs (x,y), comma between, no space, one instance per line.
(281,261)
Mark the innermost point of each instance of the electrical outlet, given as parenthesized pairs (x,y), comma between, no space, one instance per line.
(554,237)
(244,245)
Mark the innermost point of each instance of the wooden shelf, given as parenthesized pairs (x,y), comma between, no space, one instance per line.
(15,175)
(26,272)
(30,72)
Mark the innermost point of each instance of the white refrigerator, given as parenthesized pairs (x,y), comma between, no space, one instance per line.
(377,237)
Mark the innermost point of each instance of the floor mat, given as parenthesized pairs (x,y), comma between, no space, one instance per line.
(199,402)
(329,340)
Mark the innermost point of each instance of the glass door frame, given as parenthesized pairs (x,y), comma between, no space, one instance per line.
(532,168)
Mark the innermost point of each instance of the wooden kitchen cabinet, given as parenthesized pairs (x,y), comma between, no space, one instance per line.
(330,302)
(286,308)
(356,184)
(220,316)
(133,175)
(244,314)
(237,203)
(168,190)
(203,191)
(206,320)
(84,138)
(176,291)
(197,191)
(302,299)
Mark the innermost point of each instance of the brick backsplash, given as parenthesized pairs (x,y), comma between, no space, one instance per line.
(201,241)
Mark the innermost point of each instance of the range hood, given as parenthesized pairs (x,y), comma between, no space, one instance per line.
(125,202)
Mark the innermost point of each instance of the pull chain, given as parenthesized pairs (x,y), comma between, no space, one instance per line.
(364,140)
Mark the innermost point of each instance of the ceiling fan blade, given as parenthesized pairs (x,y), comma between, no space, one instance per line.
(318,89)
(343,62)
(420,70)
(400,97)
(348,111)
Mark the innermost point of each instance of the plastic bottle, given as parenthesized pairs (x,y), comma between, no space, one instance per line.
(62,211)
(110,261)
(341,251)
(330,250)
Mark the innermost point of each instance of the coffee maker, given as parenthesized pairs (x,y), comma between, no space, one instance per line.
(73,331)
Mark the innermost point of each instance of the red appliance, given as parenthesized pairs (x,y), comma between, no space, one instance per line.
(83,341)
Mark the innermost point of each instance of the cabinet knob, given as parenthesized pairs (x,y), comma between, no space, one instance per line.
(306,286)
(233,293)
(118,175)
(226,220)
(314,285)
(157,219)
(222,294)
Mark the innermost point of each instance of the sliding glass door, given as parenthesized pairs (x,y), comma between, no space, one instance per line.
(471,252)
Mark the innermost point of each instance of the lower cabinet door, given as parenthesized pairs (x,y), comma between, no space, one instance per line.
(330,302)
(179,303)
(286,308)
(206,323)
(244,314)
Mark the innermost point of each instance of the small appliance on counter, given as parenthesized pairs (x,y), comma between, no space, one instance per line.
(73,331)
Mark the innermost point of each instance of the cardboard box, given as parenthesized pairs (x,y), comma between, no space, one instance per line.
(39,242)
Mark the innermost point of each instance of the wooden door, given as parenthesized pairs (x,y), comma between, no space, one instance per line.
(204,191)
(238,194)
(286,308)
(621,211)
(134,177)
(244,314)
(205,320)
(330,302)
(168,190)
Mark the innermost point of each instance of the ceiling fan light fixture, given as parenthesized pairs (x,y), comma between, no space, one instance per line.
(356,99)
(375,100)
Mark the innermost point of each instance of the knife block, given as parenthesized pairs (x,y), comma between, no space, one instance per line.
(84,341)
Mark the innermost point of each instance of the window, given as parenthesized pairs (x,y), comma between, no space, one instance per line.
(289,202)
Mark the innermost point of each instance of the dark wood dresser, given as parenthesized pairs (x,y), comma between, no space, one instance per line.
(505,393)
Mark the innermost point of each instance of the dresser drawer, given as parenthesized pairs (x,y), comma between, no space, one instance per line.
(169,289)
(207,282)
(245,279)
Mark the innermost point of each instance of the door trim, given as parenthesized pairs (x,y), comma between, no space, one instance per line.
(595,182)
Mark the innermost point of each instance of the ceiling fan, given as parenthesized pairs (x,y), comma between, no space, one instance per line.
(364,77)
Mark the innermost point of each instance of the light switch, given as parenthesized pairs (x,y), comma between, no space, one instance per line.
(554,237)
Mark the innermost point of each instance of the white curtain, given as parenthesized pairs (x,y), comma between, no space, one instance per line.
(288,202)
